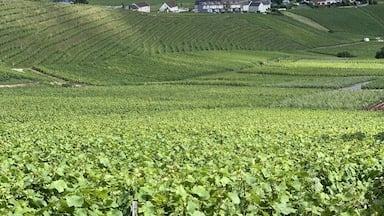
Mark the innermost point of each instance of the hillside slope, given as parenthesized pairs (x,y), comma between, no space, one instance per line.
(352,22)
(88,43)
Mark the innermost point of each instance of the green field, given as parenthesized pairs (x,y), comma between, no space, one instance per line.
(189,114)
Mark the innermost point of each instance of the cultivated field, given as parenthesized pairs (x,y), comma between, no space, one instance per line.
(188,114)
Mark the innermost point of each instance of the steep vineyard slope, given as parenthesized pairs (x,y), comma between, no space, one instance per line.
(350,22)
(90,43)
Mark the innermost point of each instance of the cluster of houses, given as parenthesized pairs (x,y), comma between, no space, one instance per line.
(221,6)
(320,2)
(324,3)
(208,6)
(144,7)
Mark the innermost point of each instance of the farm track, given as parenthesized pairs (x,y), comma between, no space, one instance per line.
(16,85)
(58,80)
(338,45)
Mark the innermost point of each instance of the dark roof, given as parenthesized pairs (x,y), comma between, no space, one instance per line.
(62,1)
(255,4)
(172,4)
(216,2)
(140,4)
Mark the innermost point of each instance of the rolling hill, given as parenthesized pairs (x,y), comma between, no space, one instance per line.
(95,45)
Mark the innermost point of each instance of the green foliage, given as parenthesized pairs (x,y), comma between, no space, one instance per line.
(344,54)
(380,54)
(355,23)
(194,148)
(359,49)
(188,129)
(198,162)
(80,1)
(336,99)
(375,84)
(89,44)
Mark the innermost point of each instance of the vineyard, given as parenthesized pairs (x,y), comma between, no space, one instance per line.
(82,42)
(188,114)
(353,21)
(72,158)
(182,149)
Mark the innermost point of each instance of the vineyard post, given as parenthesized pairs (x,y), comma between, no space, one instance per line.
(134,208)
(316,185)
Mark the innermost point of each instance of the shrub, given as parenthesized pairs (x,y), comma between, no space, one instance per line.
(380,54)
(345,54)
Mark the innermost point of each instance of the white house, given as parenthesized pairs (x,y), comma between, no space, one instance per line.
(259,7)
(320,2)
(326,2)
(235,6)
(209,6)
(245,7)
(141,7)
(170,6)
(221,6)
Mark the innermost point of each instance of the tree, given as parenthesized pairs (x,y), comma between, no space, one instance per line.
(80,1)
(277,2)
(345,54)
(380,54)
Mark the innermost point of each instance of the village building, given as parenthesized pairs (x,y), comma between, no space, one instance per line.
(209,6)
(170,6)
(63,1)
(259,7)
(143,7)
(221,6)
(235,6)
(326,2)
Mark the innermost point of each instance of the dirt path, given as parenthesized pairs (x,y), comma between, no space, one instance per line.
(15,85)
(339,45)
(54,80)
(58,81)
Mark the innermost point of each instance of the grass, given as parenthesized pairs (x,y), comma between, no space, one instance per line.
(19,75)
(355,23)
(305,20)
(376,84)
(361,49)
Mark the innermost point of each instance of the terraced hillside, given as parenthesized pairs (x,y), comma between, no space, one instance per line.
(74,41)
(353,22)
